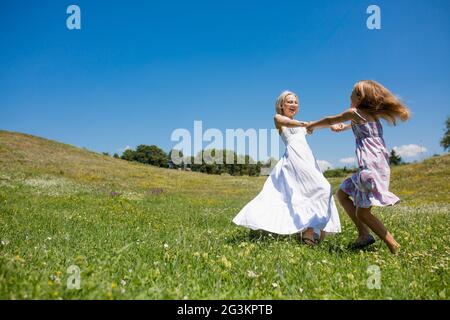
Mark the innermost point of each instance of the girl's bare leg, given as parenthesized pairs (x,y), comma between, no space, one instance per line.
(347,204)
(377,226)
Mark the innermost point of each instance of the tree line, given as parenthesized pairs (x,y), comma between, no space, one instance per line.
(206,161)
(236,165)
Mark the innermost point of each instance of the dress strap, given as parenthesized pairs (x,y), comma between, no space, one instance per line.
(360,116)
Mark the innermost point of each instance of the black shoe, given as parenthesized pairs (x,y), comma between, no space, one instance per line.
(362,244)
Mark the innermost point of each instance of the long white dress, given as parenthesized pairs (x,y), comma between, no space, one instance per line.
(295,196)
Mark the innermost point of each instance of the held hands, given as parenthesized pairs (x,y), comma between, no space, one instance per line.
(309,127)
(338,127)
(306,124)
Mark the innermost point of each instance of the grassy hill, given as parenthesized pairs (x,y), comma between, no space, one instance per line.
(141,232)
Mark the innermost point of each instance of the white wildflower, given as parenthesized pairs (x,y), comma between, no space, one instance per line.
(251,274)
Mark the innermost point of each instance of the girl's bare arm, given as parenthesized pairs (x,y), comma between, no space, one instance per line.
(326,122)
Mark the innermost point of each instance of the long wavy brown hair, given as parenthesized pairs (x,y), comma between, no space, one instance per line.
(379,102)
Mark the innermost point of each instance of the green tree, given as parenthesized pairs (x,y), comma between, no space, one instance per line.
(394,159)
(255,169)
(210,163)
(445,142)
(151,155)
(129,155)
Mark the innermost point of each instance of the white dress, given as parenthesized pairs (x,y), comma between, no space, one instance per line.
(295,196)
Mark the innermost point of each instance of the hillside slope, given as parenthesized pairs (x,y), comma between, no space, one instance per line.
(23,155)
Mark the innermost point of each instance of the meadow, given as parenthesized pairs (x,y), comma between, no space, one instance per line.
(140,232)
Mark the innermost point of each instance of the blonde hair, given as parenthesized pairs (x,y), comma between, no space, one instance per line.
(281,99)
(380,102)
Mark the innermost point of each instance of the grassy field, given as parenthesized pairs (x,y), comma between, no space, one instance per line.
(141,232)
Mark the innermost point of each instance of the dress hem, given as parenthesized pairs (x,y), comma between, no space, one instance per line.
(372,204)
(252,227)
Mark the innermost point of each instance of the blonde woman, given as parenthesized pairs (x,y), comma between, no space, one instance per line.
(296,197)
(369,186)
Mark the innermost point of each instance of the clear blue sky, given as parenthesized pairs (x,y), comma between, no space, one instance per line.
(137,70)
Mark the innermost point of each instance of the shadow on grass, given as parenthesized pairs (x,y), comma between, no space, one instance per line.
(331,246)
(337,248)
(260,236)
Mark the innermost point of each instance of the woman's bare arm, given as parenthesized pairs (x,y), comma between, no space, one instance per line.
(282,121)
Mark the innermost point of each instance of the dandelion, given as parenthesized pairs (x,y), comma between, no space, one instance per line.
(225,262)
(19,259)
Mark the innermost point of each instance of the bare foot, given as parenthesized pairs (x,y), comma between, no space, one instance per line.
(394,248)
(391,243)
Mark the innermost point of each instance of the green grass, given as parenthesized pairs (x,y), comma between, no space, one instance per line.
(57,210)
